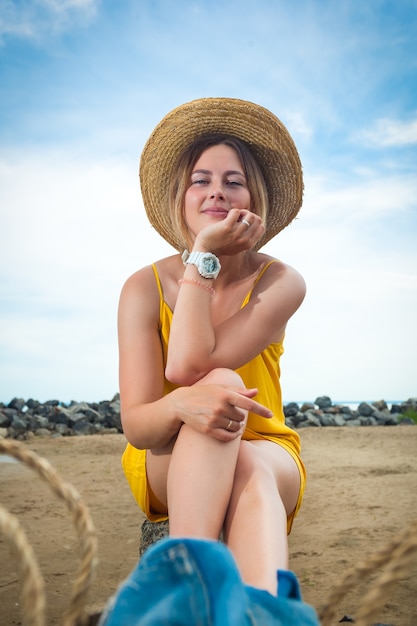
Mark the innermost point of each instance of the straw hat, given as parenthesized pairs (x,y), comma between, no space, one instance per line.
(266,136)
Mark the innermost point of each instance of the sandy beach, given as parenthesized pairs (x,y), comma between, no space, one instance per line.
(362,486)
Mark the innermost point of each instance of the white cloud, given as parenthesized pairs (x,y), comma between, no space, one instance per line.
(369,196)
(35,19)
(391,133)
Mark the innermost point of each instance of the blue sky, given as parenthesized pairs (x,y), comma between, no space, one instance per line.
(82,85)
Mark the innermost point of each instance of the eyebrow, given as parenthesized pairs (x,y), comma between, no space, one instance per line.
(227,173)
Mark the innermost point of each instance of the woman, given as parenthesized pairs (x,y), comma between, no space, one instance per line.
(201,332)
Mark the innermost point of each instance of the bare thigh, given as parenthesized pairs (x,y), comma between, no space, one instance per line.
(283,467)
(157,461)
(157,465)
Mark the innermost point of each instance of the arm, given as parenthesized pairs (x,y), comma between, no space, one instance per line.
(196,346)
(149,419)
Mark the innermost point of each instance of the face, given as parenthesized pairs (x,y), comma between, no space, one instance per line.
(217,185)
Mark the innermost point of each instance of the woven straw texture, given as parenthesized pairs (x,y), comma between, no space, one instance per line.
(267,137)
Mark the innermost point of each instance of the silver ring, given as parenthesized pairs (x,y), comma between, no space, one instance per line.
(245,222)
(229,424)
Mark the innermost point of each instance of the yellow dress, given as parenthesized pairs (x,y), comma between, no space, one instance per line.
(262,372)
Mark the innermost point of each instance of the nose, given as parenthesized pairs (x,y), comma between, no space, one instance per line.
(216,192)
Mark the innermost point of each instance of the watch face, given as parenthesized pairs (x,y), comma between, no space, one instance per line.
(209,265)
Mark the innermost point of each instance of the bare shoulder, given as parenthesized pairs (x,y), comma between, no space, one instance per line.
(141,281)
(277,270)
(145,278)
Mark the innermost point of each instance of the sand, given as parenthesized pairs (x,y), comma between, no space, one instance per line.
(362,490)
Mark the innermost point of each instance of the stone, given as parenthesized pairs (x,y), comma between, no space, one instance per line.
(17,403)
(381,405)
(307,406)
(365,409)
(291,409)
(21,419)
(4,419)
(43,432)
(151,532)
(323,402)
(327,420)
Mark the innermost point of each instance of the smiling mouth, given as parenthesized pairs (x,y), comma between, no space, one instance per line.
(216,211)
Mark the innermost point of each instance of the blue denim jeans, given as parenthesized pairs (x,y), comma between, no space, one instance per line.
(193,582)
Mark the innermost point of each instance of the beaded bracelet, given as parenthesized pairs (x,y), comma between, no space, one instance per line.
(197,283)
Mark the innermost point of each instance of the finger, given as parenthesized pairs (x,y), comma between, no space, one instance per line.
(261,410)
(247,404)
(233,425)
(250,405)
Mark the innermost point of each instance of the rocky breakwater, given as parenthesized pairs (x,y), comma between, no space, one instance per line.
(324,413)
(22,419)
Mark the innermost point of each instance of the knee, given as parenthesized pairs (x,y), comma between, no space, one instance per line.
(222,376)
(252,473)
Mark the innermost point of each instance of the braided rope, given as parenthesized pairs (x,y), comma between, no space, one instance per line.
(82,521)
(33,587)
(398,555)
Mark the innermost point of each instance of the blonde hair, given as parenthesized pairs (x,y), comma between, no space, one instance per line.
(181,177)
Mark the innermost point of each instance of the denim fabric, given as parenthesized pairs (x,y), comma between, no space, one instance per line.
(192,582)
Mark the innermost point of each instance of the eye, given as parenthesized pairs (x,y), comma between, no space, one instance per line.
(234,182)
(199,181)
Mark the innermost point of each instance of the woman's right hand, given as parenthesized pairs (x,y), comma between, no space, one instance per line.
(218,411)
(231,235)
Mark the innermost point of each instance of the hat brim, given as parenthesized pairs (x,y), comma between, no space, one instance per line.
(266,136)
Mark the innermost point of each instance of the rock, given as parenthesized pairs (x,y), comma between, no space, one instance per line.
(18,424)
(365,409)
(381,405)
(291,409)
(327,420)
(17,403)
(323,402)
(346,410)
(307,406)
(37,421)
(43,432)
(311,420)
(21,419)
(4,418)
(151,532)
(338,420)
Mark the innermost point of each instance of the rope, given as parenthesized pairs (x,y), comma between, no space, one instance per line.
(75,614)
(398,555)
(33,588)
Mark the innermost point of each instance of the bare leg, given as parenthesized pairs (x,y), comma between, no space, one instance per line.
(265,491)
(196,476)
(200,481)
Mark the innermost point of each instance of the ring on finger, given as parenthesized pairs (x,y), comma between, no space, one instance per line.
(229,424)
(245,222)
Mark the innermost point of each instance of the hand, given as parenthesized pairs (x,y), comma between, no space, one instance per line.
(231,235)
(217,410)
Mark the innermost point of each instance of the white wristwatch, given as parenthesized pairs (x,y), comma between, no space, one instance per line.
(208,264)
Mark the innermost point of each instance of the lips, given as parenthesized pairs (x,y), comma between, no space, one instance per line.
(216,211)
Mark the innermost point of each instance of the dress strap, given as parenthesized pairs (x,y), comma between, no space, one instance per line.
(158,281)
(258,278)
(262,272)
